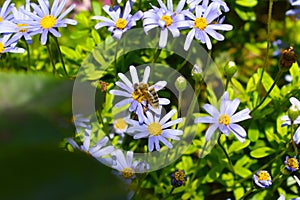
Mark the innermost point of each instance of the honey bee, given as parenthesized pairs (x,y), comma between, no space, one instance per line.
(144,92)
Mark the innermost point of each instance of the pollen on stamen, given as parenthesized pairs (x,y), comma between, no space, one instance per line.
(22,30)
(154,129)
(48,22)
(121,23)
(1,19)
(120,124)
(200,23)
(127,172)
(224,119)
(1,47)
(263,176)
(167,19)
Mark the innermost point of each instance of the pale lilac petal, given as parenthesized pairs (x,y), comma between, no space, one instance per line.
(134,76)
(165,142)
(120,93)
(151,143)
(171,123)
(210,131)
(238,131)
(232,107)
(163,38)
(296,136)
(167,117)
(146,74)
(205,120)
(125,80)
(189,39)
(295,102)
(211,110)
(224,129)
(240,116)
(169,135)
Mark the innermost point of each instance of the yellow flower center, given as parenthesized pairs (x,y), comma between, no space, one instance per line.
(167,19)
(127,172)
(121,23)
(22,30)
(180,176)
(154,129)
(292,163)
(1,47)
(1,19)
(48,22)
(263,176)
(224,119)
(120,124)
(200,23)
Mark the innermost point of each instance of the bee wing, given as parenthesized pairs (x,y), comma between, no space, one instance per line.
(159,85)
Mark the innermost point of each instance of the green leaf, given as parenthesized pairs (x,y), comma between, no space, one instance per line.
(237,85)
(246,3)
(267,82)
(245,15)
(214,173)
(237,146)
(186,196)
(242,171)
(96,36)
(238,192)
(262,152)
(253,132)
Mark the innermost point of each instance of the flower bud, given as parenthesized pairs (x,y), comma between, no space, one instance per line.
(293,112)
(288,57)
(197,73)
(230,69)
(180,83)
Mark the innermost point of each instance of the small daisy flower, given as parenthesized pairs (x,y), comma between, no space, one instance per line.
(166,19)
(291,164)
(20,29)
(202,25)
(288,121)
(225,120)
(97,151)
(8,45)
(262,179)
(127,167)
(45,19)
(5,11)
(136,103)
(156,129)
(178,178)
(119,22)
(194,3)
(120,127)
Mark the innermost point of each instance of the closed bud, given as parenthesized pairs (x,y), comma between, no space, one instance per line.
(293,112)
(180,83)
(288,57)
(197,73)
(230,69)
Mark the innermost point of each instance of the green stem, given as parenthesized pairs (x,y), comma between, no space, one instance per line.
(227,83)
(269,91)
(116,55)
(248,193)
(179,103)
(226,154)
(268,46)
(51,58)
(156,55)
(293,143)
(172,189)
(28,56)
(60,55)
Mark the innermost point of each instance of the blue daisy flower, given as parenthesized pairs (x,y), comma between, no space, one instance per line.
(225,120)
(202,25)
(7,44)
(119,22)
(45,19)
(156,129)
(262,179)
(166,19)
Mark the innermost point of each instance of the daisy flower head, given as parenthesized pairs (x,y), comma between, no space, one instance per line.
(262,179)
(45,19)
(166,19)
(221,4)
(178,178)
(291,164)
(127,167)
(20,29)
(119,22)
(81,122)
(287,121)
(136,100)
(97,151)
(157,129)
(5,11)
(225,120)
(203,25)
(8,44)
